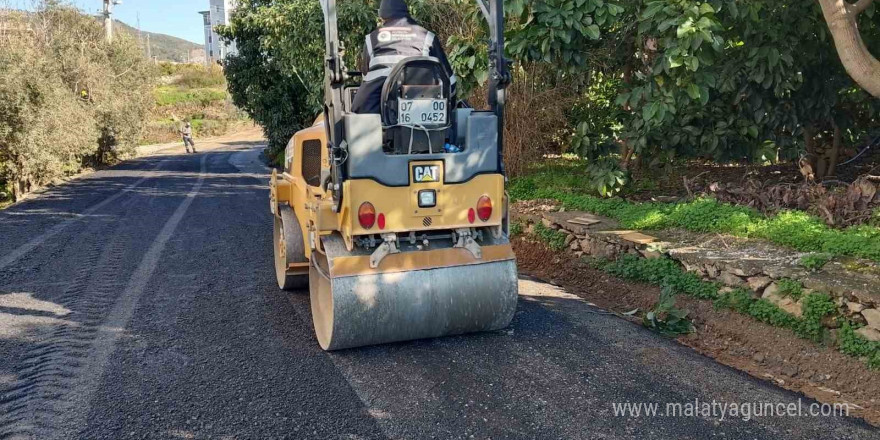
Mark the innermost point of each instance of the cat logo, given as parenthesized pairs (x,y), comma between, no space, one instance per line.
(425,173)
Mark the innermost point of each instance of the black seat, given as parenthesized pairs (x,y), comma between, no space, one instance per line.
(416,78)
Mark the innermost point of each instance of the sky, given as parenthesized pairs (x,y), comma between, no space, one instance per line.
(179,18)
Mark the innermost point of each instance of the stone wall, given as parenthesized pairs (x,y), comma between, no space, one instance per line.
(754,265)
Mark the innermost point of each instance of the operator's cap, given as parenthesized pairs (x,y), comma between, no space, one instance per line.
(393,9)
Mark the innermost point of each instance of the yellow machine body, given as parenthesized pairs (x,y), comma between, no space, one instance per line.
(422,272)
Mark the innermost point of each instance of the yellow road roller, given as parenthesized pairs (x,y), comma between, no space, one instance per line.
(397,222)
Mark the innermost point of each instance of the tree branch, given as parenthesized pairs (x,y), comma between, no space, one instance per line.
(860,6)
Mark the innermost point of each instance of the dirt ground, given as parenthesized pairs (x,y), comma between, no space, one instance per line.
(245,135)
(761,350)
(700,175)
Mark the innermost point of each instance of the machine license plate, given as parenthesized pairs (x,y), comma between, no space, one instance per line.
(422,111)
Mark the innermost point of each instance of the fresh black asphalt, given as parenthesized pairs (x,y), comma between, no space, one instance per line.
(156,315)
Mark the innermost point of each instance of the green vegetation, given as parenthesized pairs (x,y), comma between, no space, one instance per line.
(68,99)
(791,288)
(815,306)
(854,344)
(815,261)
(665,318)
(555,239)
(175,95)
(194,93)
(516,228)
(629,83)
(794,229)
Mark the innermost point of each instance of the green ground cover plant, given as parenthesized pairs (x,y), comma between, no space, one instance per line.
(816,307)
(555,239)
(789,287)
(815,261)
(794,229)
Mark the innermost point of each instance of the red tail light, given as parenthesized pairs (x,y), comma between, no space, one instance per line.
(366,215)
(484,208)
(472,215)
(381,221)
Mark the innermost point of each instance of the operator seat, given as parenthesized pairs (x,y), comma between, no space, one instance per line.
(420,83)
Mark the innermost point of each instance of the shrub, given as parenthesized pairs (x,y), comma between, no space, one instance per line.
(67,98)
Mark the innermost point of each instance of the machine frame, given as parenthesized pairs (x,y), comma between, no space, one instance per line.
(319,241)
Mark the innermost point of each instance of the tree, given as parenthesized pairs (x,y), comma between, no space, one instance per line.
(842,19)
(277,75)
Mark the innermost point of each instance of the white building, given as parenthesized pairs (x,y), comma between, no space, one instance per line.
(217,14)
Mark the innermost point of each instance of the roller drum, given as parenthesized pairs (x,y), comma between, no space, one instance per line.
(352,311)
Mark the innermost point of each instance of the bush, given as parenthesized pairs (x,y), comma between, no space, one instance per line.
(67,98)
(167,96)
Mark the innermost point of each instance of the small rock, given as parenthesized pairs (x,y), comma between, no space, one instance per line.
(562,209)
(725,289)
(791,307)
(758,283)
(530,229)
(730,279)
(771,293)
(650,253)
(872,316)
(579,254)
(585,246)
(790,370)
(712,271)
(548,223)
(568,239)
(758,357)
(573,245)
(745,271)
(869,333)
(854,307)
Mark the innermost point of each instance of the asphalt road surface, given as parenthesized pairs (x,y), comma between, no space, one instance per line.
(140,302)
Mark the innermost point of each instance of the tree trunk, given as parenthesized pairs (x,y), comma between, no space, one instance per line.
(835,151)
(862,67)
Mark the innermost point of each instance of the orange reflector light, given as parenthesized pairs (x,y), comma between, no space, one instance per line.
(484,208)
(366,215)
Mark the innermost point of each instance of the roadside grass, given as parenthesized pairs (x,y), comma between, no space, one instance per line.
(667,274)
(794,229)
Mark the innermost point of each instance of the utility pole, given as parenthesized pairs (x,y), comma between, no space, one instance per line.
(108,18)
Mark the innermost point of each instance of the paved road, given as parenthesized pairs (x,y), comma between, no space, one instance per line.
(140,302)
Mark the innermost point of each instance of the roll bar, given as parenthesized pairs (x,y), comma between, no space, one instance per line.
(335,75)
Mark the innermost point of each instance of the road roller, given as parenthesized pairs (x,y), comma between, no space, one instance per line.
(397,222)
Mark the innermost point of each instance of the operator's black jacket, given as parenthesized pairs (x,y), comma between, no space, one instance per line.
(398,38)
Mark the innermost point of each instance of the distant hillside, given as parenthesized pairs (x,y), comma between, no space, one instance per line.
(162,46)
